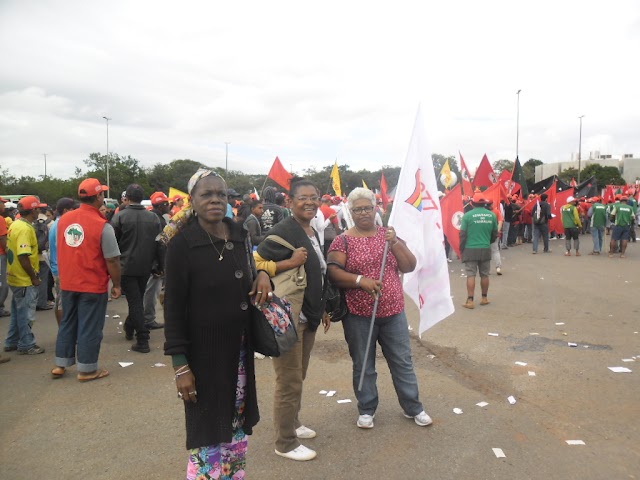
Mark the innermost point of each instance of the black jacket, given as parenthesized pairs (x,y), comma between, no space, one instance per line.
(136,231)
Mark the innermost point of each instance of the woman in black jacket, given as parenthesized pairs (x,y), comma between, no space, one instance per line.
(209,288)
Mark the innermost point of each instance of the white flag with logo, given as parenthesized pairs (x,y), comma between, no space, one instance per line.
(417,218)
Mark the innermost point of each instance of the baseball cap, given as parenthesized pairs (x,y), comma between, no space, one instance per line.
(66,203)
(30,202)
(175,198)
(478,198)
(571,199)
(91,187)
(159,197)
(232,193)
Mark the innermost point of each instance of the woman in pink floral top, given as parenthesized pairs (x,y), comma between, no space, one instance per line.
(354,263)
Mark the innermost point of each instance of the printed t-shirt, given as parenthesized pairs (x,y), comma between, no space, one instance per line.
(479,224)
(364,257)
(3,232)
(21,240)
(624,214)
(598,215)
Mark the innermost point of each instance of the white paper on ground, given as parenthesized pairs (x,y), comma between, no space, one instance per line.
(119,323)
(534,333)
(322,392)
(522,364)
(575,442)
(499,453)
(512,400)
(559,323)
(106,316)
(125,364)
(628,360)
(331,393)
(532,374)
(571,344)
(159,365)
(493,334)
(619,369)
(482,404)
(116,316)
(457,411)
(346,400)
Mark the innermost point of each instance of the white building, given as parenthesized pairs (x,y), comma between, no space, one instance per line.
(628,165)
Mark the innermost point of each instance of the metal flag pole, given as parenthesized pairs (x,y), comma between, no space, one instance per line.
(373,317)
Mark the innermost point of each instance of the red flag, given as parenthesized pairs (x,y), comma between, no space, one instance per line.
(467,188)
(510,187)
(495,193)
(280,175)
(609,195)
(384,188)
(557,200)
(452,212)
(485,176)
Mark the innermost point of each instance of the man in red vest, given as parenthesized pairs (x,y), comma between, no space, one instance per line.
(88,255)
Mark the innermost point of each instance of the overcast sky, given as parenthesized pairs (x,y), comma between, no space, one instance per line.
(314,82)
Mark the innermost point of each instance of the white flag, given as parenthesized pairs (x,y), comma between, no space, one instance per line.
(417,218)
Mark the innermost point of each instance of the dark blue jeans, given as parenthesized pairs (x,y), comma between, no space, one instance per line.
(81,325)
(23,313)
(393,335)
(541,231)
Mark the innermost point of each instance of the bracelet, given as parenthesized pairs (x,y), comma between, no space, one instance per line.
(182,373)
(358,279)
(393,244)
(182,368)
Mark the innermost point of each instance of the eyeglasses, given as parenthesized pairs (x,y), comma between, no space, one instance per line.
(362,210)
(315,198)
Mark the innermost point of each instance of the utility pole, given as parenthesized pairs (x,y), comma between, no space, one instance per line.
(226,159)
(108,156)
(518,124)
(45,165)
(580,149)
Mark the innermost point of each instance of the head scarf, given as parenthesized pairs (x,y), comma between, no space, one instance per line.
(181,219)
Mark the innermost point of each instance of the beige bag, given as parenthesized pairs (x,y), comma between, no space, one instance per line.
(292,283)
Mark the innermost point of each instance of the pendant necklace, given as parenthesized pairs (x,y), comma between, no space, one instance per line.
(221,253)
(362,234)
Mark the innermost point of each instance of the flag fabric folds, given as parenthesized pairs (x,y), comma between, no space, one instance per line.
(485,176)
(447,181)
(335,178)
(280,175)
(452,212)
(517,176)
(384,191)
(417,219)
(364,184)
(467,188)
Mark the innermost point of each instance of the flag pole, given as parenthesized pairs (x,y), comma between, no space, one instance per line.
(263,185)
(373,317)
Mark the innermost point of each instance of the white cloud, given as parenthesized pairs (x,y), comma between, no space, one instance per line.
(312,82)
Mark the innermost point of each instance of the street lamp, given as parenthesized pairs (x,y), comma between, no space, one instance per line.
(580,149)
(518,125)
(45,165)
(107,119)
(226,159)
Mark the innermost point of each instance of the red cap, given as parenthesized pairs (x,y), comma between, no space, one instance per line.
(175,198)
(158,198)
(30,202)
(91,187)
(479,198)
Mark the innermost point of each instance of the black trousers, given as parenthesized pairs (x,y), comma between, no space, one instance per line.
(133,287)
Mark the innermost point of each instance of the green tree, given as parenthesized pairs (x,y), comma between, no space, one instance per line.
(604,175)
(500,165)
(529,169)
(568,174)
(122,172)
(175,174)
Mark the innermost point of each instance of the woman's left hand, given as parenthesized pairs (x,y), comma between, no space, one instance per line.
(326,322)
(390,235)
(261,289)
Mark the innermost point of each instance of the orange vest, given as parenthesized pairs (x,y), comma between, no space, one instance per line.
(80,261)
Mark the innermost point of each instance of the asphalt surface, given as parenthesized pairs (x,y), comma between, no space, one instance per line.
(130,425)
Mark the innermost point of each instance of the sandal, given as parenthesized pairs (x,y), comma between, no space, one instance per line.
(58,372)
(87,377)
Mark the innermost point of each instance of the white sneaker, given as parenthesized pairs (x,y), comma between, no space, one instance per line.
(305,432)
(365,421)
(300,454)
(422,419)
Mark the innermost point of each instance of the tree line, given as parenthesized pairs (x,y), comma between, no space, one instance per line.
(124,170)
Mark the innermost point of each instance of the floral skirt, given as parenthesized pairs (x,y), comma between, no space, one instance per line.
(225,460)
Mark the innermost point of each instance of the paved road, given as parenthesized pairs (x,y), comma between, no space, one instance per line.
(130,425)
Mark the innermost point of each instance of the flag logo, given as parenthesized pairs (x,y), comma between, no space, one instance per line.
(74,235)
(492,177)
(415,199)
(456,220)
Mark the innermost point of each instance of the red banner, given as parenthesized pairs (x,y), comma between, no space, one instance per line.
(452,212)
(280,175)
(485,176)
(384,189)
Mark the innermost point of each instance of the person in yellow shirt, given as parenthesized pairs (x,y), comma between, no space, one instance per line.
(23,278)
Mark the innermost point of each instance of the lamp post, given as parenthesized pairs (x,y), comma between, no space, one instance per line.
(45,165)
(580,149)
(518,124)
(226,159)
(107,119)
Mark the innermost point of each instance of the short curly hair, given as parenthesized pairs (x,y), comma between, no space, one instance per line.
(361,193)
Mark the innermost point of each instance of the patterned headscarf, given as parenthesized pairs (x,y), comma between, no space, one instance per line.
(180,220)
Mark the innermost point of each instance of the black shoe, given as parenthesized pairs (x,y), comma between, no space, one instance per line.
(140,347)
(154,325)
(11,348)
(128,333)
(47,307)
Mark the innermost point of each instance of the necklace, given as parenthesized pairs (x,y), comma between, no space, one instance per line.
(363,234)
(221,253)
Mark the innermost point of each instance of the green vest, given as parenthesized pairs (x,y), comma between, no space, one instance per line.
(624,214)
(599,215)
(568,216)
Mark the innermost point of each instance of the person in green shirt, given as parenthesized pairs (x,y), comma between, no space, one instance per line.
(598,215)
(624,215)
(572,225)
(478,231)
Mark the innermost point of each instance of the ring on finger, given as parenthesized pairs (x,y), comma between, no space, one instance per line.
(179,394)
(193,393)
(270,294)
(259,293)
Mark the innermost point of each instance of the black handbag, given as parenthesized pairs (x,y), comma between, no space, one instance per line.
(334,298)
(273,331)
